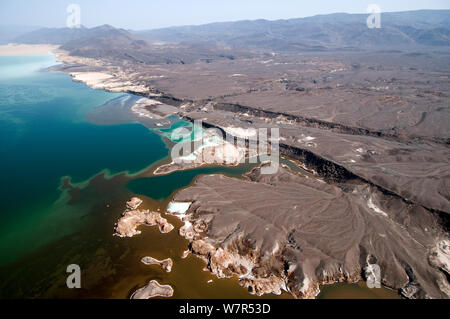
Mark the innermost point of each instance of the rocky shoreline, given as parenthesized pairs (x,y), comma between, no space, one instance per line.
(212,150)
(232,241)
(98,74)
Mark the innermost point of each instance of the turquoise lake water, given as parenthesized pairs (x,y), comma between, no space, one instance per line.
(44,137)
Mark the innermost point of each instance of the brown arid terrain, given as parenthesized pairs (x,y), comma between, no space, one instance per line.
(366,128)
(292,231)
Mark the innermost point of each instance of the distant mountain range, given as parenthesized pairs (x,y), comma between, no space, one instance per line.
(66,35)
(340,30)
(319,33)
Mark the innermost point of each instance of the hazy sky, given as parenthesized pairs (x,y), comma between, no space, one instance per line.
(149,14)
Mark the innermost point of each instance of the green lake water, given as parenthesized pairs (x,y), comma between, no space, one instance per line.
(43,137)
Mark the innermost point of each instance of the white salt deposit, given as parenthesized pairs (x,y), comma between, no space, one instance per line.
(178,208)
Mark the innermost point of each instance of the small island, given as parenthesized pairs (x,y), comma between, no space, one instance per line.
(153,289)
(165,264)
(133,217)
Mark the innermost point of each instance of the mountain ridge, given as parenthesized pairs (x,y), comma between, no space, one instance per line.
(408,30)
(426,27)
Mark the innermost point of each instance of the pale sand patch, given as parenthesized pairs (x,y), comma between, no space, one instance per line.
(93,79)
(109,78)
(26,49)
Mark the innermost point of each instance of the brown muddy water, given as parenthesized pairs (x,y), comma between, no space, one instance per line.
(355,291)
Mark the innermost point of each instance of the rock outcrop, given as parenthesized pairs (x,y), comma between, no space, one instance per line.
(210,149)
(165,264)
(134,203)
(131,219)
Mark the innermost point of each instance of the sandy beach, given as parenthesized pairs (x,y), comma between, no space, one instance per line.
(26,49)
